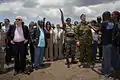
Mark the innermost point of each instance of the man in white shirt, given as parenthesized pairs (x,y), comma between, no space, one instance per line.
(94,30)
(58,42)
(18,35)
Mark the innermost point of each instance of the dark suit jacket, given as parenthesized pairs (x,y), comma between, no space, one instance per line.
(10,34)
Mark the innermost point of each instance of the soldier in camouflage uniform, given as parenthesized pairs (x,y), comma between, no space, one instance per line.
(69,40)
(84,36)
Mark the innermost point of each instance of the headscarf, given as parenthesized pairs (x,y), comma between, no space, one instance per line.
(116,13)
(48,28)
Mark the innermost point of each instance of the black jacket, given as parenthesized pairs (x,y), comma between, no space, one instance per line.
(10,34)
(116,35)
(32,33)
(36,36)
(106,33)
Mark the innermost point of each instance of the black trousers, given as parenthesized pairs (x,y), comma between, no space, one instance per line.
(20,56)
(26,49)
(9,53)
(32,52)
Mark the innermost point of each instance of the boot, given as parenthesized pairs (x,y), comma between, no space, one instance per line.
(73,61)
(67,63)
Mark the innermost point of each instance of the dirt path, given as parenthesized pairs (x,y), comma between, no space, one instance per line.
(58,71)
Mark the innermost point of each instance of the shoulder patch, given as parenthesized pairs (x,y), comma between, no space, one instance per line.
(34,26)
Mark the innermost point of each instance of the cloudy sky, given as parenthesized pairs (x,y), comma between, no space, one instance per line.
(37,9)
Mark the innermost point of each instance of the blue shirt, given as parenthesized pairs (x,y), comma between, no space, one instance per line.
(6,28)
(41,38)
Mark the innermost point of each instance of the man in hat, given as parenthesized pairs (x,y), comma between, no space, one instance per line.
(70,46)
(84,37)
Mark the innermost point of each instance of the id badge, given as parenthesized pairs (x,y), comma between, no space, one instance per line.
(110,26)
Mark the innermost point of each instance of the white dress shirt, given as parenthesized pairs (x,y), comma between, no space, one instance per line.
(94,35)
(18,35)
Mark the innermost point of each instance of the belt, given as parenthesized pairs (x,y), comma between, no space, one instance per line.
(70,35)
(18,42)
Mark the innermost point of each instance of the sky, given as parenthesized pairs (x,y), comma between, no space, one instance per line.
(33,10)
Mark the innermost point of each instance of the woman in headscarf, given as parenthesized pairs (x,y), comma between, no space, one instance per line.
(49,36)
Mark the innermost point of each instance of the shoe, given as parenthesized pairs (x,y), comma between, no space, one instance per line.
(42,65)
(48,60)
(36,68)
(66,63)
(31,70)
(25,72)
(20,71)
(74,62)
(54,59)
(15,73)
(93,63)
(68,66)
(107,75)
(81,66)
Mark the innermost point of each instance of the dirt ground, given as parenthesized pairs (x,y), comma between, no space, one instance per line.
(58,71)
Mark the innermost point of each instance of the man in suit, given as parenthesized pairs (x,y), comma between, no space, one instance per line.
(18,35)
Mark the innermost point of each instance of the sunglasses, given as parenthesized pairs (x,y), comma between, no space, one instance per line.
(18,19)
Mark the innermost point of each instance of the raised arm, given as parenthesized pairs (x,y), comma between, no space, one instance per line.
(62,18)
(44,22)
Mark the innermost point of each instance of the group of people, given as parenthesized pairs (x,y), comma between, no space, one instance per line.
(44,40)
(40,39)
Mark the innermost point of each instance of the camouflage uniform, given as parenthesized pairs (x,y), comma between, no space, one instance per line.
(84,35)
(70,43)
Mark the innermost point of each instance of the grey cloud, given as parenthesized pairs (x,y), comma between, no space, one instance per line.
(96,11)
(26,3)
(7,1)
(30,3)
(67,8)
(69,4)
(90,2)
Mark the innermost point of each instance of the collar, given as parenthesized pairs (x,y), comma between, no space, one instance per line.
(19,26)
(7,25)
